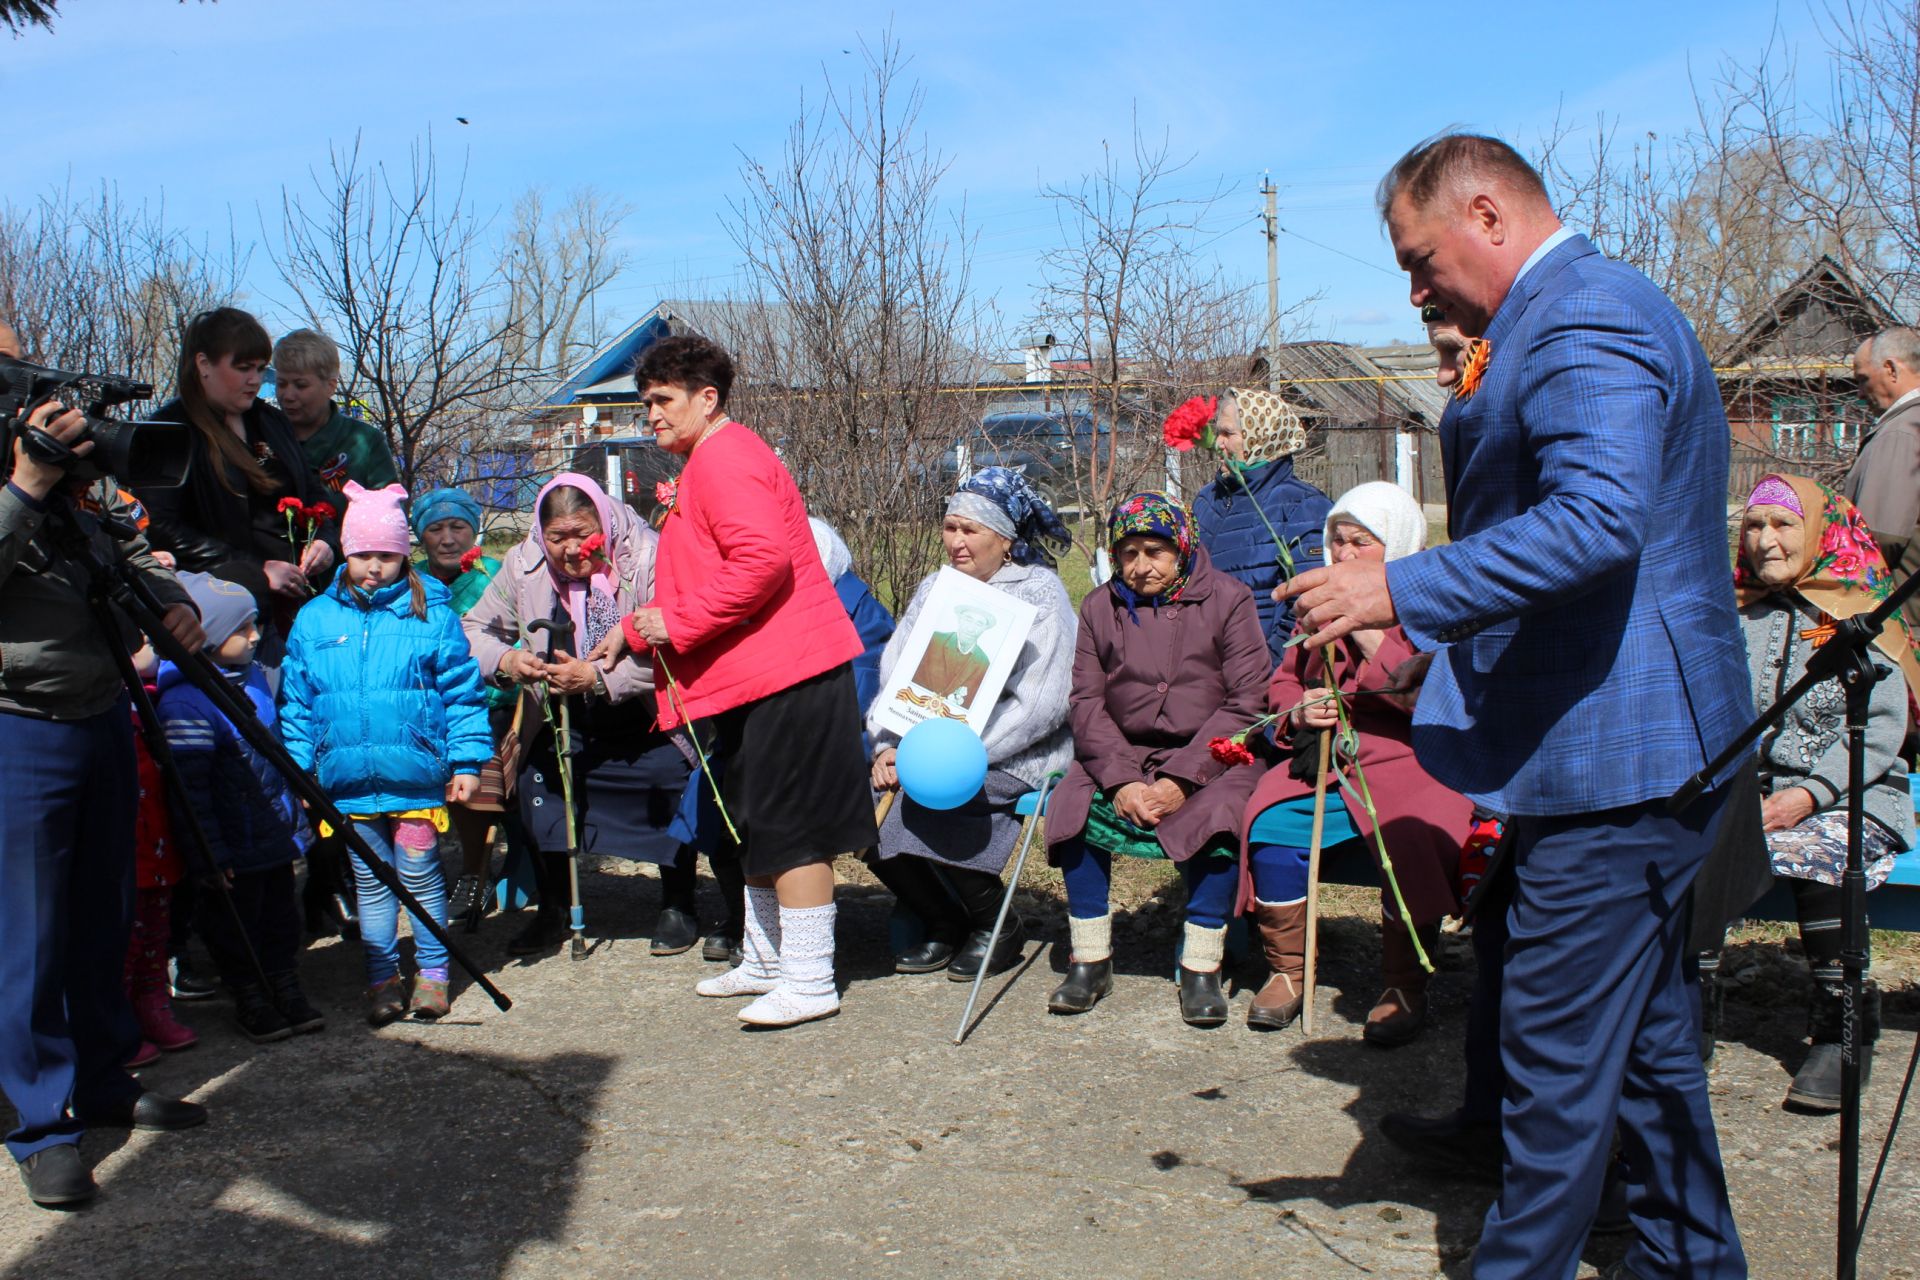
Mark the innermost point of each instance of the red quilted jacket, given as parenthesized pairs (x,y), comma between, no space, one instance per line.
(747,602)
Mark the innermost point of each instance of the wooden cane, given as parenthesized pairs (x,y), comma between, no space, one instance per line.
(1313,862)
(886,803)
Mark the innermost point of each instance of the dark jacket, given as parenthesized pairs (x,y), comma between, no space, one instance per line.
(245,807)
(206,524)
(1234,535)
(875,625)
(1148,699)
(55,662)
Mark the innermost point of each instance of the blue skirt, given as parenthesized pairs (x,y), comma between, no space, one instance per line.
(626,790)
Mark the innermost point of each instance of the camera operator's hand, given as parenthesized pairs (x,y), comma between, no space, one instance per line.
(183,624)
(285,579)
(30,475)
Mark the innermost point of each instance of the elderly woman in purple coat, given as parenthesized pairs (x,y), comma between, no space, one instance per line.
(1170,656)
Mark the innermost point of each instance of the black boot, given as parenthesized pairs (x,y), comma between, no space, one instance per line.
(915,885)
(1816,1088)
(549,927)
(293,1004)
(1083,987)
(678,926)
(980,896)
(1202,1002)
(722,946)
(259,1020)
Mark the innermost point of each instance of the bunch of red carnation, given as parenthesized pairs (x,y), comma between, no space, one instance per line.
(469,558)
(311,518)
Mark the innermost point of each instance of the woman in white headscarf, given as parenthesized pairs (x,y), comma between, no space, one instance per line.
(1422,822)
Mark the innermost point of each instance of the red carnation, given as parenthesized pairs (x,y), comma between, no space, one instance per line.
(321,512)
(469,558)
(1191,424)
(594,546)
(289,507)
(1230,751)
(666,493)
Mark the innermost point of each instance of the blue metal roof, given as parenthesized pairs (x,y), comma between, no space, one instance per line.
(613,360)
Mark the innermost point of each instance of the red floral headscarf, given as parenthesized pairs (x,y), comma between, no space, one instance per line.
(1840,570)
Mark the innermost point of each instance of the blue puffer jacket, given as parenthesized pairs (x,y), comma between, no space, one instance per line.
(247,810)
(384,707)
(1234,535)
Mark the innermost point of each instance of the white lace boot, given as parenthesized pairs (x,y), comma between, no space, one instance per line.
(805,990)
(759,970)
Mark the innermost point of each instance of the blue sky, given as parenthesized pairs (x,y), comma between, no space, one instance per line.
(213,107)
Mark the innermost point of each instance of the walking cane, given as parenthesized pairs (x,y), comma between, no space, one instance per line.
(1006,904)
(1313,861)
(562,632)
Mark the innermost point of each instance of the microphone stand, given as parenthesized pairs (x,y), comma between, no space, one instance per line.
(1845,657)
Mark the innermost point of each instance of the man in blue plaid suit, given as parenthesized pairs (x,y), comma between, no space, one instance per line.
(1589,664)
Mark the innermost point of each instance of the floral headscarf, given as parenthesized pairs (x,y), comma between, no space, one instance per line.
(1005,501)
(1840,570)
(1155,515)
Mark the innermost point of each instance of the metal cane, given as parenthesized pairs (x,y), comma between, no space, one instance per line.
(1006,904)
(562,632)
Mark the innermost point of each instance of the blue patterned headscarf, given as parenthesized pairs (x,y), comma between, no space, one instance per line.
(1154,515)
(1003,500)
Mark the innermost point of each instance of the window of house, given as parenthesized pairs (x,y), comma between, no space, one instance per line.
(1801,429)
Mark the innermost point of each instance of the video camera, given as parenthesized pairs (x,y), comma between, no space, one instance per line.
(141,454)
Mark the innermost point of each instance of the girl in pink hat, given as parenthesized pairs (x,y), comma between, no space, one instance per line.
(382,700)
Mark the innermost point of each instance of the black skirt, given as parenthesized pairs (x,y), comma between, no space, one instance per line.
(793,773)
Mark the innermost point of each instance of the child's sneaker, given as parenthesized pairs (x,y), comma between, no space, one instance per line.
(429,997)
(158,1024)
(294,1005)
(387,1001)
(258,1019)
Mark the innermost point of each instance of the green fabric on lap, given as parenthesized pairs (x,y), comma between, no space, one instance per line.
(1108,830)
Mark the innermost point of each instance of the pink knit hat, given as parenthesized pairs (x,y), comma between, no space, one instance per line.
(374,520)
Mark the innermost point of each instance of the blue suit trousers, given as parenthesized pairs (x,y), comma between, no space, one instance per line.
(1597,1032)
(68,791)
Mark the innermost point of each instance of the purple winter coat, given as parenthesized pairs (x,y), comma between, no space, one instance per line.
(1147,699)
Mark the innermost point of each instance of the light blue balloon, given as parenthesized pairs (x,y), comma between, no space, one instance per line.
(942,763)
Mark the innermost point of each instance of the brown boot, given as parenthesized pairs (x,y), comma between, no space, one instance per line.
(1402,1007)
(1283,936)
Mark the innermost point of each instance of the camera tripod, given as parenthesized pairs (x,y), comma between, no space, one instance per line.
(114,590)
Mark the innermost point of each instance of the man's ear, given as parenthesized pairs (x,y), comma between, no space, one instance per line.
(1484,211)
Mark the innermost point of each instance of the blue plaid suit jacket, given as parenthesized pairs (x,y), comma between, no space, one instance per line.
(1592,656)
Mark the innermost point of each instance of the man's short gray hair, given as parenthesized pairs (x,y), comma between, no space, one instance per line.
(307,351)
(1452,159)
(1901,345)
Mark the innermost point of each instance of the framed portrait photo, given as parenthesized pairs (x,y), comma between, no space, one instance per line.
(958,657)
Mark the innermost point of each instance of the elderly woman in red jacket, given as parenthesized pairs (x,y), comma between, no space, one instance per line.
(753,653)
(1423,822)
(1170,656)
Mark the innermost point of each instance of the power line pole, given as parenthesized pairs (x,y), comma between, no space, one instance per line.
(1272,218)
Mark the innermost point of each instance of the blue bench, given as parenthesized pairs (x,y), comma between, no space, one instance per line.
(1894,905)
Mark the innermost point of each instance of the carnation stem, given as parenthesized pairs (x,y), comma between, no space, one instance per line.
(1364,794)
(1285,559)
(680,709)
